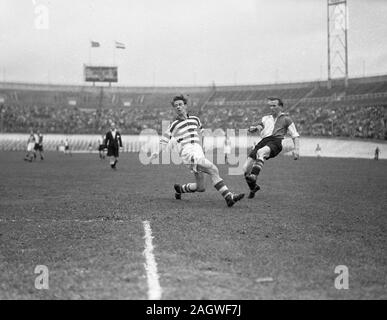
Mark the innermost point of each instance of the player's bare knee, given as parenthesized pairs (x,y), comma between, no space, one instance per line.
(214,171)
(263,153)
(247,166)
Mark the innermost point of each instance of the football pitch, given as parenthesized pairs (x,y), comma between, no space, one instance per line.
(85,223)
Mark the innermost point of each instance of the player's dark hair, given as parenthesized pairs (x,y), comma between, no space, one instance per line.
(177,98)
(280,103)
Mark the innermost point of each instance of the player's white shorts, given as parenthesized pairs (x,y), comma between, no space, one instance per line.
(30,146)
(227,150)
(191,154)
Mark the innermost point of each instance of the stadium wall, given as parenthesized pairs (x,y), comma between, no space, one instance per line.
(336,148)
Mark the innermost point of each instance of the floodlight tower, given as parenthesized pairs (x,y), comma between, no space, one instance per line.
(337,40)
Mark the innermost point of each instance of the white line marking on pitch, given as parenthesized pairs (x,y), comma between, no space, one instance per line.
(266,279)
(154,289)
(53,220)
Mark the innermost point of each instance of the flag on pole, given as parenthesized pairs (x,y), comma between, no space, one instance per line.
(120,45)
(95,44)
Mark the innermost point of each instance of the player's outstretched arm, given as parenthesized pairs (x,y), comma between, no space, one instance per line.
(162,148)
(295,137)
(258,128)
(164,141)
(296,151)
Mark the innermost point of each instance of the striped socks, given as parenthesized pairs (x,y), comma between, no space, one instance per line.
(257,167)
(222,188)
(251,179)
(189,187)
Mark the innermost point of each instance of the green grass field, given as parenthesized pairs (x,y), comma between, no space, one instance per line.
(84,222)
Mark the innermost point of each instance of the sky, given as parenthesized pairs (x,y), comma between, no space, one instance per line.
(185,42)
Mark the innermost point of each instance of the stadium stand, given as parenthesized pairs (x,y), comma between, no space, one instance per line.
(358,110)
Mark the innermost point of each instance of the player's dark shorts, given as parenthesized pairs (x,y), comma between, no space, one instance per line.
(101,147)
(275,145)
(38,147)
(112,152)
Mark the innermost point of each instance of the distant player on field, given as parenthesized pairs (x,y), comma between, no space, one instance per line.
(377,153)
(272,129)
(185,129)
(67,147)
(318,151)
(38,145)
(30,155)
(101,147)
(113,143)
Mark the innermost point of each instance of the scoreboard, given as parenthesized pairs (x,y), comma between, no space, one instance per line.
(100,74)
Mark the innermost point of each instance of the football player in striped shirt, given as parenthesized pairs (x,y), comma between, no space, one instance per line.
(272,129)
(186,130)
